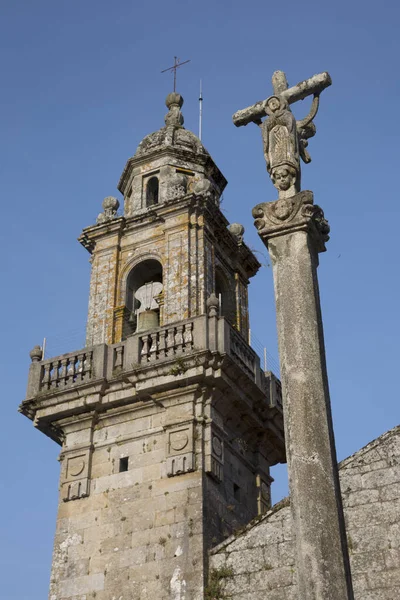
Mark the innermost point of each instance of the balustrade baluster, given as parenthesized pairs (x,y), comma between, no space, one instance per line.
(145,347)
(88,365)
(188,336)
(153,346)
(54,374)
(171,341)
(71,369)
(179,338)
(46,376)
(162,346)
(63,371)
(80,369)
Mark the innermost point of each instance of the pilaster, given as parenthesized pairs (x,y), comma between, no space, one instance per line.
(103,241)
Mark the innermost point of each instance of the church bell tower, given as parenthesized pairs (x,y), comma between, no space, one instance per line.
(167,424)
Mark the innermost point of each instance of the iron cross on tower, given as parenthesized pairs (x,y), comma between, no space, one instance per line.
(177,64)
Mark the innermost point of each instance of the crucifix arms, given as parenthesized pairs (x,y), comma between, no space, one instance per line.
(314,85)
(284,138)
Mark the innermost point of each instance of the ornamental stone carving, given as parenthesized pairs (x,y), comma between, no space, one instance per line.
(205,188)
(110,208)
(176,186)
(180,449)
(284,138)
(292,214)
(75,478)
(214,452)
(174,117)
(212,304)
(237,230)
(36,354)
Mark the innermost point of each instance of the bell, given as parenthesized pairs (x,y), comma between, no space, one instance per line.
(147,320)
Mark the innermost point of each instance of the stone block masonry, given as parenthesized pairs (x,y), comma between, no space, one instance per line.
(258,563)
(167,424)
(156,468)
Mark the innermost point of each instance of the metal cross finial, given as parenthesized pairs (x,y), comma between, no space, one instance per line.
(177,64)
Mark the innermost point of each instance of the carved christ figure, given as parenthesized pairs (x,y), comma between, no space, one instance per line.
(284,138)
(279,135)
(285,141)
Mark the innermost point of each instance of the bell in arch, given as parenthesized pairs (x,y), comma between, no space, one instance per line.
(148,311)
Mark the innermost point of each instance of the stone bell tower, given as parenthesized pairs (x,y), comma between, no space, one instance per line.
(166,422)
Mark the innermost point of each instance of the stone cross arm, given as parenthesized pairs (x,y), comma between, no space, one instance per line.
(312,86)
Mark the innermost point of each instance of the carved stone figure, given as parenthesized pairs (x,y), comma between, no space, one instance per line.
(110,208)
(177,186)
(237,230)
(204,188)
(280,135)
(284,138)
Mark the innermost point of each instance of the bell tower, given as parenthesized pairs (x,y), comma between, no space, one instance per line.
(167,424)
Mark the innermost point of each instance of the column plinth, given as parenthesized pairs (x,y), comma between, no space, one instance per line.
(295,231)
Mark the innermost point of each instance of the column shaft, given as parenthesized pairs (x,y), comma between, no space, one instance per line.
(292,233)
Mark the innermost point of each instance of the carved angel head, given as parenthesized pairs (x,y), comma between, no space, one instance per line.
(283,177)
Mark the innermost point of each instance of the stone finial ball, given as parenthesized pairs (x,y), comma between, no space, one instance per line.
(212,301)
(236,229)
(174,98)
(36,354)
(202,186)
(110,203)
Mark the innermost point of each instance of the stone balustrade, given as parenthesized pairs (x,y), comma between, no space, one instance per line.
(66,370)
(166,342)
(163,344)
(242,353)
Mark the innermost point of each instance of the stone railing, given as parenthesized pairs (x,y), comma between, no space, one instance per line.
(242,354)
(103,361)
(272,388)
(166,342)
(66,370)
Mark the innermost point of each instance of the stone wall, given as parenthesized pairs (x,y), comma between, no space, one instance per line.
(258,562)
(138,532)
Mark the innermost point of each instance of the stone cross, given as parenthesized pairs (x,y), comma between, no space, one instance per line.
(284,138)
(295,232)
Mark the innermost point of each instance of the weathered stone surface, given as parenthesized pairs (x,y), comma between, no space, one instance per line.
(260,558)
(180,227)
(294,231)
(155,466)
(284,138)
(167,423)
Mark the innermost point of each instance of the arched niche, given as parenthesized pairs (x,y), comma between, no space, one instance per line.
(143,282)
(225,293)
(152,190)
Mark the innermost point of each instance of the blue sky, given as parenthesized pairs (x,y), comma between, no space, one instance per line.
(81,86)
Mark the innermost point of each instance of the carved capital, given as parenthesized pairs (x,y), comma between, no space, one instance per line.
(287,215)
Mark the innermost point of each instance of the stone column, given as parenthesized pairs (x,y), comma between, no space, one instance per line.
(295,231)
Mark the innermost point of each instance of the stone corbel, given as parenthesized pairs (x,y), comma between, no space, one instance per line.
(287,215)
